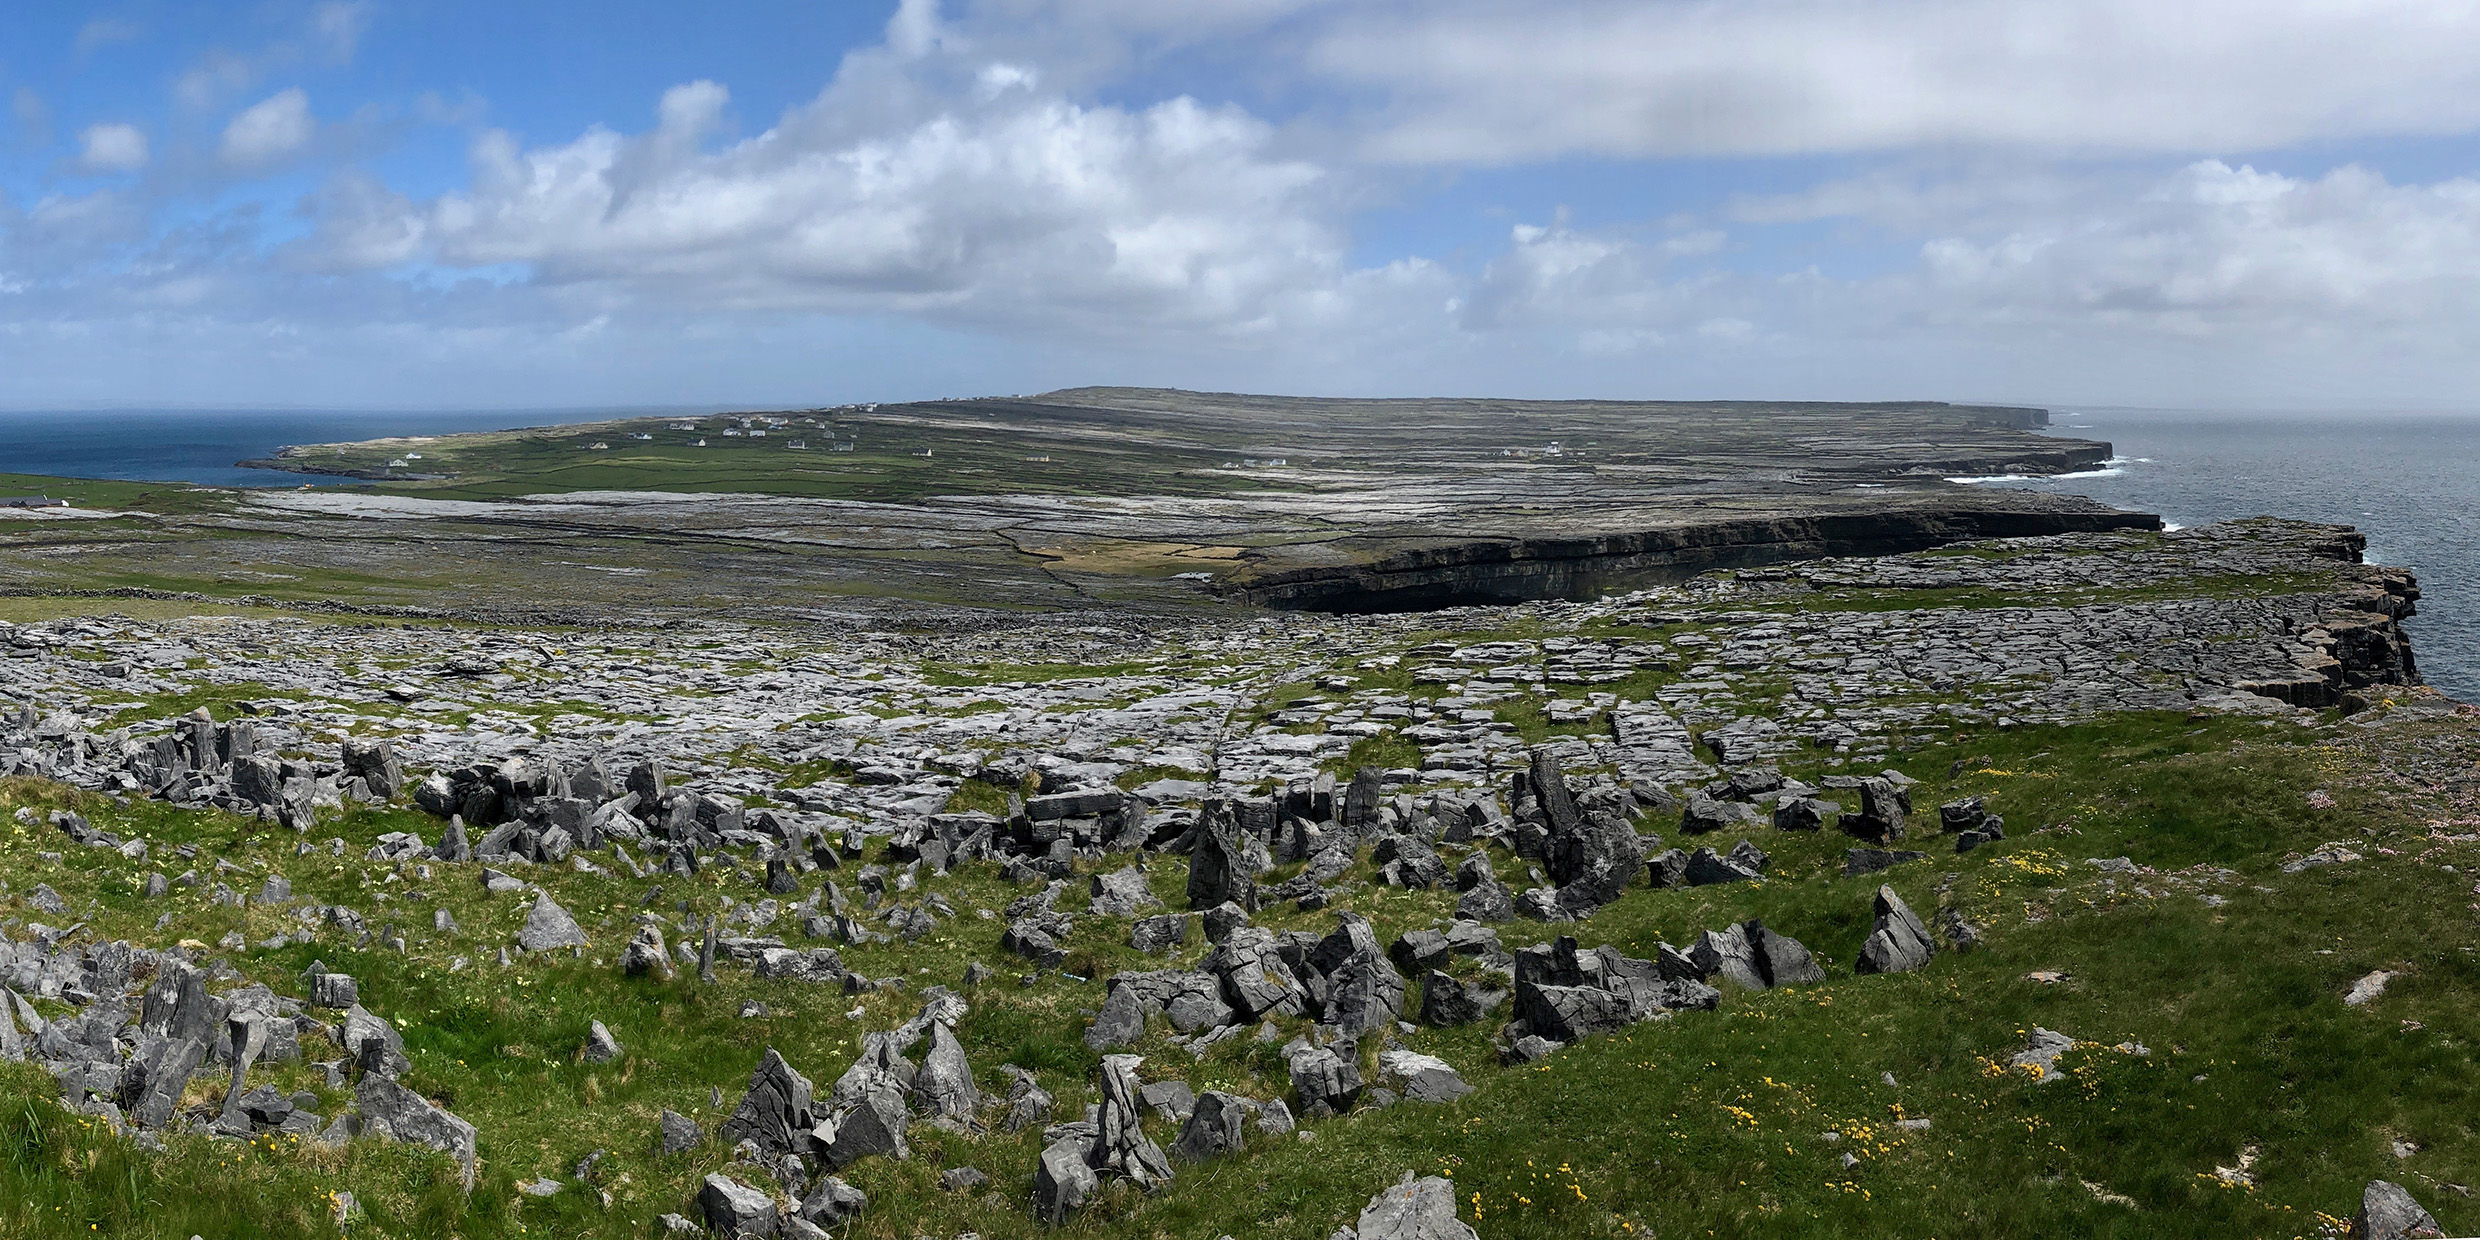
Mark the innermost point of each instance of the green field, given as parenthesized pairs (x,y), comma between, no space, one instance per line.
(1707,1124)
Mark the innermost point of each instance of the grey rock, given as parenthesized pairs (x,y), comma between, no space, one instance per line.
(1122,893)
(1218,868)
(832,1201)
(1159,934)
(647,956)
(1899,943)
(600,1046)
(1169,1099)
(1446,1002)
(735,1211)
(1324,1082)
(1883,806)
(333,990)
(944,1087)
(1222,919)
(873,1128)
(1422,1209)
(2387,1212)
(1062,1182)
(677,1133)
(1122,1145)
(1859,861)
(1804,814)
(1216,1126)
(1706,868)
(392,1111)
(548,926)
(777,1111)
(373,761)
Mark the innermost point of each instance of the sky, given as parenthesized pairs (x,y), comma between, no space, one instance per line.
(410,204)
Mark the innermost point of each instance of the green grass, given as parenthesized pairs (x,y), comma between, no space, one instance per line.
(1707,1124)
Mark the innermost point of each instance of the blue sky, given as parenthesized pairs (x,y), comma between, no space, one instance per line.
(427,203)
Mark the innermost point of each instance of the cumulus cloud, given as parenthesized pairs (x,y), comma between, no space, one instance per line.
(1008,173)
(1018,208)
(2216,249)
(269,131)
(112,147)
(1473,81)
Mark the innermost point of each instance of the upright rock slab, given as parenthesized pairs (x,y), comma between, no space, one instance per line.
(778,1111)
(1218,865)
(1900,943)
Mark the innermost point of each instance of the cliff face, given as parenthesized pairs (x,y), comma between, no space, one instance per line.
(1490,570)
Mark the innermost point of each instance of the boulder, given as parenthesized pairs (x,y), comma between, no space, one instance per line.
(776,1113)
(1217,1125)
(1899,943)
(1883,807)
(1062,1181)
(1859,861)
(373,761)
(2387,1212)
(1323,1081)
(1703,814)
(1446,1002)
(1422,1209)
(1255,980)
(1804,814)
(1706,867)
(735,1211)
(646,955)
(600,1046)
(548,926)
(391,1111)
(1122,1146)
(1159,934)
(1122,893)
(677,1133)
(1425,1078)
(831,1201)
(874,1127)
(1364,994)
(944,1087)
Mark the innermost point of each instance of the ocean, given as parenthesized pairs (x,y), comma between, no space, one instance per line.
(202,446)
(2411,483)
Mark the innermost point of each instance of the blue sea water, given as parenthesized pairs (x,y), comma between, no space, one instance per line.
(2411,483)
(203,446)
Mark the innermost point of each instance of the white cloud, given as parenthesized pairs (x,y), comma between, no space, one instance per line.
(1474,81)
(1022,208)
(2217,250)
(915,30)
(338,27)
(112,148)
(106,31)
(270,130)
(218,75)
